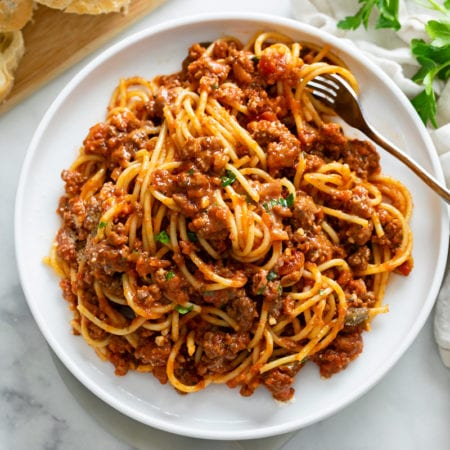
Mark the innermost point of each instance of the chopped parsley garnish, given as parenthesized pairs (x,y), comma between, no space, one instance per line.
(286,202)
(261,290)
(271,275)
(162,237)
(228,179)
(192,236)
(169,275)
(102,224)
(184,309)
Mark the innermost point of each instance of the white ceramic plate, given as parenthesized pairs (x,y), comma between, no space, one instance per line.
(218,412)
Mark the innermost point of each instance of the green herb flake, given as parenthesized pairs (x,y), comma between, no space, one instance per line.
(228,179)
(261,290)
(192,236)
(272,275)
(162,237)
(169,275)
(184,309)
(102,225)
(285,202)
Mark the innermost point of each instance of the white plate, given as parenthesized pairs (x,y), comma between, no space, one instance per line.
(218,412)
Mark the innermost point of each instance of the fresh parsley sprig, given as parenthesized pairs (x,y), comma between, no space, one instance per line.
(433,56)
(388,15)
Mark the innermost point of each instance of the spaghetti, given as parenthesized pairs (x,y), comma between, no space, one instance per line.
(218,228)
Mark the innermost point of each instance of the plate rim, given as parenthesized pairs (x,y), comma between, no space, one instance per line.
(132,39)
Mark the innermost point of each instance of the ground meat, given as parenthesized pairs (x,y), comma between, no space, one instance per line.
(220,297)
(290,266)
(330,143)
(354,201)
(98,139)
(337,356)
(148,352)
(393,231)
(66,245)
(362,158)
(219,344)
(104,258)
(212,224)
(68,294)
(316,246)
(206,153)
(74,181)
(242,67)
(279,381)
(281,145)
(146,265)
(208,72)
(356,234)
(173,285)
(306,213)
(359,259)
(276,64)
(243,310)
(120,354)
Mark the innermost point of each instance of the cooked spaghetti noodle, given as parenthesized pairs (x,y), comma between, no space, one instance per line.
(217,227)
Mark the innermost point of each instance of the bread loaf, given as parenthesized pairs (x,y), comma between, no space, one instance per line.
(14,14)
(11,51)
(87,6)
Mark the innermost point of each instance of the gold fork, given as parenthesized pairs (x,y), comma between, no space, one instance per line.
(337,94)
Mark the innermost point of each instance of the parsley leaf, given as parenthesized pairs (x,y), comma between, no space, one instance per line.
(162,237)
(184,309)
(435,63)
(169,275)
(102,225)
(388,15)
(228,179)
(433,56)
(286,202)
(425,105)
(192,236)
(439,32)
(271,275)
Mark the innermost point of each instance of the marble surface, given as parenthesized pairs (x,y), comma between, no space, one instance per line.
(44,407)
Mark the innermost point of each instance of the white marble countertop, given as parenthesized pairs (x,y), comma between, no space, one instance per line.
(44,407)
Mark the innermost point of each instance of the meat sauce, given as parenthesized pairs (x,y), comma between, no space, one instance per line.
(192,187)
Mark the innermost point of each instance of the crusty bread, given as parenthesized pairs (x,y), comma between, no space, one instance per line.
(14,14)
(11,52)
(87,6)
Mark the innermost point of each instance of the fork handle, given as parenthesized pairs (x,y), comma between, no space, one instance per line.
(403,157)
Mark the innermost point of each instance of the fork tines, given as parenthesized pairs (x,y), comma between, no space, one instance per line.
(325,87)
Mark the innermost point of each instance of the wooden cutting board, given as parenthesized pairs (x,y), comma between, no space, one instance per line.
(55,40)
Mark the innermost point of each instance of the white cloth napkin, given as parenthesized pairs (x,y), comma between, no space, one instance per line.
(390,50)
